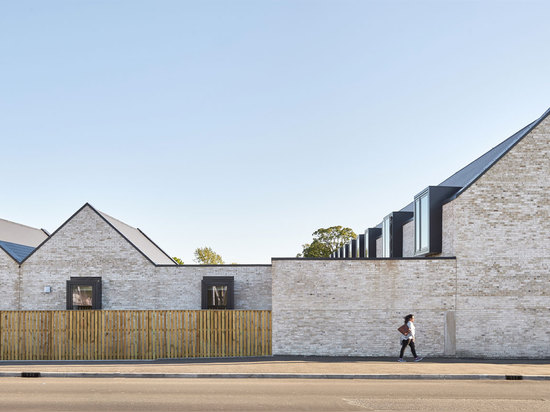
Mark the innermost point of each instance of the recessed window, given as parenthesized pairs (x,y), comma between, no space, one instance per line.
(217,297)
(84,293)
(386,236)
(428,219)
(422,224)
(217,292)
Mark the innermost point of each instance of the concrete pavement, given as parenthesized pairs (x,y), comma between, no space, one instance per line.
(287,367)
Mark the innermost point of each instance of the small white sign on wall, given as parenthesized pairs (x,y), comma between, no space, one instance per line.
(47,289)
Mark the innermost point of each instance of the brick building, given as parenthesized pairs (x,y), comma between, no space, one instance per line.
(470,257)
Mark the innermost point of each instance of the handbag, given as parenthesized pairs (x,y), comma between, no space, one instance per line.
(404,329)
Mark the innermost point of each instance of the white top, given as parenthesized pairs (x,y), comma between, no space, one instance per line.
(411,333)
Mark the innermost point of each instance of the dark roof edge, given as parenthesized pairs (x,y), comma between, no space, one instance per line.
(120,233)
(69,219)
(531,127)
(10,255)
(157,246)
(57,230)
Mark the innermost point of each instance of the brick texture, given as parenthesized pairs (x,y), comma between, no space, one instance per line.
(353,307)
(502,245)
(87,246)
(9,281)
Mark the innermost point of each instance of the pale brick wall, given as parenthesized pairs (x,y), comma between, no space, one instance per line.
(353,307)
(9,283)
(87,246)
(502,244)
(492,301)
(448,230)
(408,239)
(180,287)
(379,247)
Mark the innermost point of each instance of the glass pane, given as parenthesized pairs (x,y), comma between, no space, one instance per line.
(424,223)
(386,237)
(217,297)
(82,297)
(417,224)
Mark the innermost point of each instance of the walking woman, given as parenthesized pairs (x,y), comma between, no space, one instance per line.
(408,339)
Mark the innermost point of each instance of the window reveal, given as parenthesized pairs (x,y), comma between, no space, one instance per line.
(84,293)
(217,292)
(428,219)
(422,224)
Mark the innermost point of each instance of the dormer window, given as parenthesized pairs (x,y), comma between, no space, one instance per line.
(386,236)
(392,233)
(428,218)
(372,234)
(422,224)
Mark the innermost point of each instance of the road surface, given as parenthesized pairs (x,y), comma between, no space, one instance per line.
(119,394)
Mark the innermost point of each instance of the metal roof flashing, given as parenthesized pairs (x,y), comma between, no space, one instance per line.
(470,173)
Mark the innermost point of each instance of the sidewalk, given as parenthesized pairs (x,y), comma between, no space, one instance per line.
(287,367)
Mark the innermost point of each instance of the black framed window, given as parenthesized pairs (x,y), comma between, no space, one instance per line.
(84,293)
(217,292)
(422,224)
(428,218)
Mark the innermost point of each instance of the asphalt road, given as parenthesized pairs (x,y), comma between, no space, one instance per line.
(115,394)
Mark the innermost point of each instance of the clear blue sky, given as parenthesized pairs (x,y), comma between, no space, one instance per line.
(247,125)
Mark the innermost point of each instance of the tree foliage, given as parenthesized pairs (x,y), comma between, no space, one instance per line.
(327,240)
(206,256)
(178,260)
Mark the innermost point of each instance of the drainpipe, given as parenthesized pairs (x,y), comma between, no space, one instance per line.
(18,286)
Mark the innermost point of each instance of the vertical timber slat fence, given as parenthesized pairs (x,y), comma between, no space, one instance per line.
(133,334)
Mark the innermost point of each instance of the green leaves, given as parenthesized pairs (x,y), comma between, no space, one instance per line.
(206,256)
(326,241)
(178,260)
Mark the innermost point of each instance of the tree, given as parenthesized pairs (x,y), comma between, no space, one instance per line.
(326,241)
(206,256)
(178,260)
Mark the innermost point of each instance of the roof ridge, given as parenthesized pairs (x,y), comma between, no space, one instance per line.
(20,224)
(114,218)
(516,135)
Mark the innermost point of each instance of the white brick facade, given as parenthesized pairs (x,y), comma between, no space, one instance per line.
(87,246)
(353,307)
(493,300)
(486,295)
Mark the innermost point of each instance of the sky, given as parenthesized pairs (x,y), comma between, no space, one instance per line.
(245,126)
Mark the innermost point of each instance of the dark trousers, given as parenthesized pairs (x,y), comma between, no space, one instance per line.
(404,344)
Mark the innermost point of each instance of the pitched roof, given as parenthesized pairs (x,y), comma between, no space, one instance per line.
(134,236)
(140,241)
(18,240)
(17,252)
(21,234)
(466,176)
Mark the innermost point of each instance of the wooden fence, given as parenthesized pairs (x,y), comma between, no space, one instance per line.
(133,334)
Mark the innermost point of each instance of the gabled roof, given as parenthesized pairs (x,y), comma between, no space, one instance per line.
(466,176)
(18,240)
(21,234)
(134,236)
(17,252)
(140,241)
